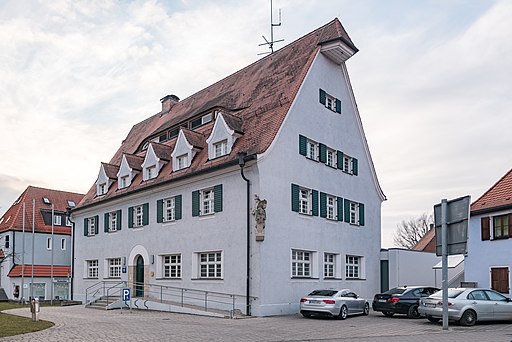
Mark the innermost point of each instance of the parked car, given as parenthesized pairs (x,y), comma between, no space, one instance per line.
(335,303)
(401,300)
(467,306)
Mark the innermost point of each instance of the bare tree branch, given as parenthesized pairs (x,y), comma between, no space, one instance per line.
(409,232)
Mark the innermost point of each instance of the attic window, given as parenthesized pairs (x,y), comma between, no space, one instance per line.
(46,200)
(173,133)
(71,203)
(201,121)
(145,146)
(163,137)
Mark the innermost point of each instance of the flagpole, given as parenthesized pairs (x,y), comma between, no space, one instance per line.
(23,256)
(33,245)
(51,268)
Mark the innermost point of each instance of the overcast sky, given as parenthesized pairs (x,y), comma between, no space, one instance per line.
(431,80)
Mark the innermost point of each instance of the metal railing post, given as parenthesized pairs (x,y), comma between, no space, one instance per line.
(206,301)
(182,296)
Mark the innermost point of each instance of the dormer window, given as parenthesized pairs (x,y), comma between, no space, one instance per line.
(124,182)
(220,148)
(57,220)
(182,162)
(151,172)
(102,189)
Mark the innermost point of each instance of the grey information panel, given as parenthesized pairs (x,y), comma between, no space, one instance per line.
(457,223)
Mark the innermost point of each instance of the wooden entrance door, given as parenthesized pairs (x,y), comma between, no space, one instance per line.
(499,279)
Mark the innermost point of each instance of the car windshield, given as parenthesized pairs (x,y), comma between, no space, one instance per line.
(324,293)
(395,291)
(452,293)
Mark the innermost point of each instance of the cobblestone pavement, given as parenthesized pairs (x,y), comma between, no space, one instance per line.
(76,323)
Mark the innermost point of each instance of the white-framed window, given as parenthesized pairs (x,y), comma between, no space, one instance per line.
(71,203)
(68,222)
(331,207)
(171,266)
(330,102)
(210,265)
(207,201)
(151,172)
(63,244)
(220,148)
(138,216)
(91,226)
(354,213)
(312,149)
(124,182)
(331,158)
(114,268)
(112,221)
(301,263)
(57,220)
(182,161)
(49,243)
(304,201)
(169,209)
(46,200)
(92,268)
(329,265)
(353,267)
(102,188)
(347,164)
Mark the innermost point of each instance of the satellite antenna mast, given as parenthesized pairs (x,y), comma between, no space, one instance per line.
(272,24)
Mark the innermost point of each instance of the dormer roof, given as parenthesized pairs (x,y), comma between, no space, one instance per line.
(233,122)
(162,151)
(498,197)
(196,139)
(134,161)
(110,170)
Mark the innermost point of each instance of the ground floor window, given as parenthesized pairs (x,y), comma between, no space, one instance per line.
(92,268)
(500,279)
(353,267)
(301,263)
(329,265)
(114,268)
(210,265)
(171,266)
(61,291)
(38,290)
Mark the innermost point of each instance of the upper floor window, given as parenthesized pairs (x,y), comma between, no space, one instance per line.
(7,242)
(151,172)
(138,216)
(46,200)
(169,209)
(102,188)
(220,148)
(71,203)
(331,157)
(182,161)
(330,101)
(350,165)
(91,226)
(113,221)
(501,227)
(124,182)
(207,201)
(57,220)
(311,151)
(138,213)
(304,200)
(331,207)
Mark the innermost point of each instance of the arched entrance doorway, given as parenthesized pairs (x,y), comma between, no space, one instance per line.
(139,276)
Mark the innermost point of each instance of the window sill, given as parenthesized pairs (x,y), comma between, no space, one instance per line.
(355,278)
(87,278)
(169,223)
(206,216)
(203,279)
(161,278)
(315,160)
(305,278)
(307,216)
(332,278)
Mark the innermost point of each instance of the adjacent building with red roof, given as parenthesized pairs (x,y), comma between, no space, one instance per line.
(260,185)
(36,230)
(488,261)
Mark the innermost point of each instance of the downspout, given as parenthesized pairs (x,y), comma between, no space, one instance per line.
(68,215)
(242,157)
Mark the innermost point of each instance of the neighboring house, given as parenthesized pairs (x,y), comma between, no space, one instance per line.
(427,242)
(276,150)
(27,227)
(488,260)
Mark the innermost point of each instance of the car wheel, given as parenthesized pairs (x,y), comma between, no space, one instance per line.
(306,314)
(433,319)
(388,313)
(366,310)
(413,311)
(468,318)
(343,312)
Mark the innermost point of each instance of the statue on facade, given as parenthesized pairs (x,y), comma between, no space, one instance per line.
(260,215)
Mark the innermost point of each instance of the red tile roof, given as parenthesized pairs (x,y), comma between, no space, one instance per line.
(258,97)
(40,271)
(2,255)
(110,170)
(427,243)
(13,217)
(499,196)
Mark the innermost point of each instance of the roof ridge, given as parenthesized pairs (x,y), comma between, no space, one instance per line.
(492,187)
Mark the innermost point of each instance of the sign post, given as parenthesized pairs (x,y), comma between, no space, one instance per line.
(125,296)
(451,221)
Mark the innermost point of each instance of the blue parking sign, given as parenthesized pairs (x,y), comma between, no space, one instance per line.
(126,294)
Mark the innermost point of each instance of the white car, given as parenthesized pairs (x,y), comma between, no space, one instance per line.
(335,303)
(467,306)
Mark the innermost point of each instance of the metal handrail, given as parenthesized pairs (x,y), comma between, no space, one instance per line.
(91,292)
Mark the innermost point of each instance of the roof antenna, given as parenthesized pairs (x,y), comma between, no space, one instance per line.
(272,41)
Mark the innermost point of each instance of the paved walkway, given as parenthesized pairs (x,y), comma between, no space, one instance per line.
(75,323)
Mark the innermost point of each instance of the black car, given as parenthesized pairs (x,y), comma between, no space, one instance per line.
(401,300)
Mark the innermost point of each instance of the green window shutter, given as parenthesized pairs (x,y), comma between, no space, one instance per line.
(159,211)
(119,219)
(177,207)
(346,210)
(338,106)
(339,204)
(339,159)
(145,214)
(303,145)
(295,198)
(323,205)
(86,227)
(314,203)
(96,221)
(355,167)
(195,203)
(361,214)
(105,228)
(130,217)
(322,96)
(217,198)
(323,153)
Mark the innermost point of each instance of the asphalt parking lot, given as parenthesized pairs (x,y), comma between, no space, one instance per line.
(76,323)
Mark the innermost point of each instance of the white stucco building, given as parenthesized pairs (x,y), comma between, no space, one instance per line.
(176,205)
(488,260)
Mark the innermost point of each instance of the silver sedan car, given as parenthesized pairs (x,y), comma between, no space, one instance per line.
(335,303)
(467,306)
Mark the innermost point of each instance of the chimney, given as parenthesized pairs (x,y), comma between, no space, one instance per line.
(168,102)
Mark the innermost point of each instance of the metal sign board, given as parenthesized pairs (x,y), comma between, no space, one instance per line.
(125,294)
(457,217)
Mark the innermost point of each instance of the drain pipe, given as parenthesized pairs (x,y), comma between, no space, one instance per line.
(68,215)
(242,158)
